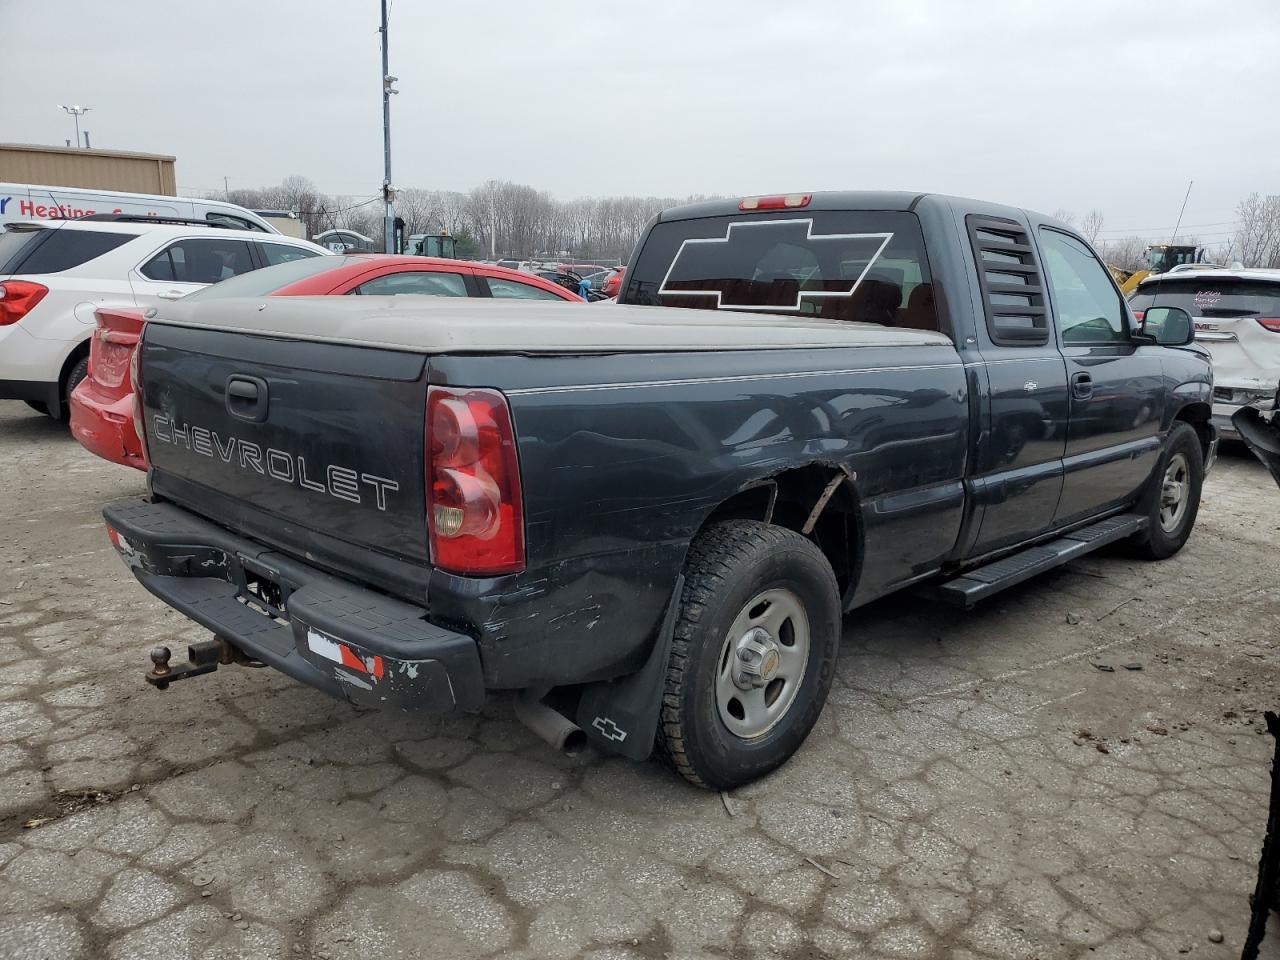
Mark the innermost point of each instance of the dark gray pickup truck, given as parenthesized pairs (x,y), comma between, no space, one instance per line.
(649,517)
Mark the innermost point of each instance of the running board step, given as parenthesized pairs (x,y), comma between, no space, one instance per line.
(980,583)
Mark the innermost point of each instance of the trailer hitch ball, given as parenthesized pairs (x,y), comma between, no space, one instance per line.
(202,657)
(160,668)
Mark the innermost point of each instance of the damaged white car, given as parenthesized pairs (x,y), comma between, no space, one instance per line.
(1237,316)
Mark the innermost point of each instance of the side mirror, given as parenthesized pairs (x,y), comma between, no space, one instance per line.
(1169,326)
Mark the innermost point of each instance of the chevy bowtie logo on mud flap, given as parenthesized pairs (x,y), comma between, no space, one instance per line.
(608,729)
(341,482)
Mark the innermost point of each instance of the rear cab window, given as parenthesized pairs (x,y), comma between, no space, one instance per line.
(54,249)
(846,266)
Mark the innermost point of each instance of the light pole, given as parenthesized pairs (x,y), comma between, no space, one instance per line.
(388,193)
(77,112)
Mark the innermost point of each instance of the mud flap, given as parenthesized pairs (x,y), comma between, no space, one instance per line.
(621,716)
(1266,895)
(1260,436)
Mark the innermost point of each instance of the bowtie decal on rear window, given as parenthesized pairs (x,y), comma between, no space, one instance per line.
(772,265)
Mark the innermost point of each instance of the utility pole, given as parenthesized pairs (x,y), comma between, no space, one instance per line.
(226,188)
(388,193)
(79,111)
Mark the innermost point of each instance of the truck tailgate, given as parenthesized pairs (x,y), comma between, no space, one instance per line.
(297,443)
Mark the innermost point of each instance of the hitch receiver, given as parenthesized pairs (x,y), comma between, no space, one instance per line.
(203,657)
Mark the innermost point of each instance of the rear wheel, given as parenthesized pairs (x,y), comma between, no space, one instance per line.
(1172,500)
(78,372)
(753,654)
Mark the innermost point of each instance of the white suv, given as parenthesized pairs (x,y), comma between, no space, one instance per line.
(1237,316)
(55,274)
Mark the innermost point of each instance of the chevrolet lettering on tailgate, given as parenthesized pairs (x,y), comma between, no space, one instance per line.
(341,482)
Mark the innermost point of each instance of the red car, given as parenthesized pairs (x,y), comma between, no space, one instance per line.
(613,283)
(102,405)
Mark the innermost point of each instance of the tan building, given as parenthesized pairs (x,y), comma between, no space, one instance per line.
(120,170)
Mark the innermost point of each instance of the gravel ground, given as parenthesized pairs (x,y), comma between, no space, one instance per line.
(975,788)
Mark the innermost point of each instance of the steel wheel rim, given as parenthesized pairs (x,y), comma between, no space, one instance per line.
(1175,492)
(753,690)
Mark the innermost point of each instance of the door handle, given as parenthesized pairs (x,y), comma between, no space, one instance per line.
(1081,386)
(172,294)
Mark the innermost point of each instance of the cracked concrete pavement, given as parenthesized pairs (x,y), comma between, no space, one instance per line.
(976,787)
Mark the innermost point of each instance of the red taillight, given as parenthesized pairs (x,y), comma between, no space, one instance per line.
(1270,323)
(17,297)
(780,202)
(475,511)
(112,347)
(1138,315)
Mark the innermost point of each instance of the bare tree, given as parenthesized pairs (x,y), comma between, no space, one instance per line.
(496,218)
(1066,216)
(1126,254)
(1257,240)
(418,209)
(1091,225)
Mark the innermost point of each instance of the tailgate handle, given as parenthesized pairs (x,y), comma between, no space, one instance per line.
(247,397)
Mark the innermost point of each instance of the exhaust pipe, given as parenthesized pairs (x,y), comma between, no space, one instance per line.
(549,724)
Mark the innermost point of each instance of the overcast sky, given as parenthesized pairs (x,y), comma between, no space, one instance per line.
(1050,105)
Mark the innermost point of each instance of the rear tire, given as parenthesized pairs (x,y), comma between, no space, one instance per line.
(1172,498)
(753,653)
(77,373)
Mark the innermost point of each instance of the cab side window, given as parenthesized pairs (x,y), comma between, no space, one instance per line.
(1086,306)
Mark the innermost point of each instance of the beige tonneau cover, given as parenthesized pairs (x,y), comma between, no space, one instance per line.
(438,325)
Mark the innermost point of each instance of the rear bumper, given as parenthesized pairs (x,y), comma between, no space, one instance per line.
(341,638)
(104,425)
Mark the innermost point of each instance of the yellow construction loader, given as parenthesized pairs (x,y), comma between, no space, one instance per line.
(1160,258)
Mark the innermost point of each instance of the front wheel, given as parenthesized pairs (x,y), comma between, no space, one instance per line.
(1172,500)
(753,653)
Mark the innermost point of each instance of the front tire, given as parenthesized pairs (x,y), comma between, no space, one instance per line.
(1172,500)
(753,653)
